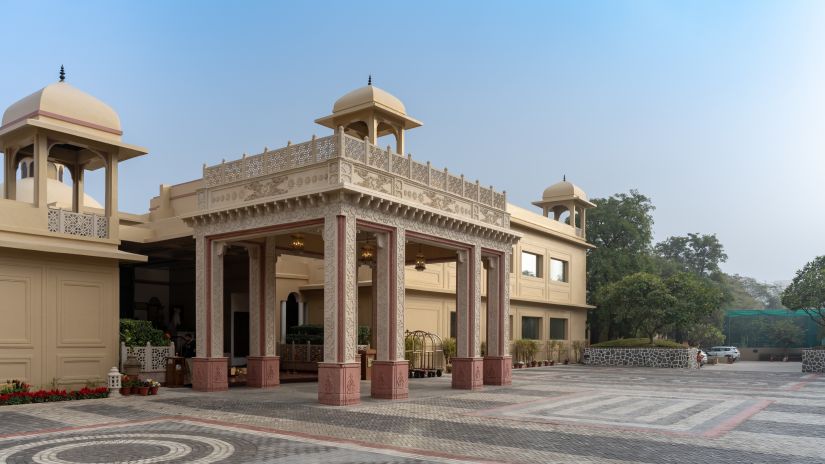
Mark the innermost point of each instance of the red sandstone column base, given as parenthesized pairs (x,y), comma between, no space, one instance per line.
(498,370)
(339,384)
(210,374)
(263,371)
(390,380)
(467,373)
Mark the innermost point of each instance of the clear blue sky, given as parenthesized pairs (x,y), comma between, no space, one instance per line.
(714,109)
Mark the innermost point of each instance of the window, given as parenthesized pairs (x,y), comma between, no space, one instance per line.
(530,264)
(453,324)
(530,327)
(558,329)
(558,270)
(510,321)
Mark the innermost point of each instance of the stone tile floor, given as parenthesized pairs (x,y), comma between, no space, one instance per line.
(750,413)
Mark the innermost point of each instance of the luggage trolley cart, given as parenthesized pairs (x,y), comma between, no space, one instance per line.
(425,354)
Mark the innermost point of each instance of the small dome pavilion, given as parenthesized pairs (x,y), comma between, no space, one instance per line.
(369,112)
(567,203)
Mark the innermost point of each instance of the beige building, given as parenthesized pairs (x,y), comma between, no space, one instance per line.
(271,241)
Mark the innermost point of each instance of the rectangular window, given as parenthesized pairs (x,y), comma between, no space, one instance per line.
(558,329)
(558,270)
(530,264)
(453,324)
(511,327)
(530,327)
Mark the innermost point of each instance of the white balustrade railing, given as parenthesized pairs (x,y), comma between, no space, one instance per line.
(322,149)
(81,224)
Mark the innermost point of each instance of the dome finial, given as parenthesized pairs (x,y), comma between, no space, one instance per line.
(564,178)
(369,80)
(62,73)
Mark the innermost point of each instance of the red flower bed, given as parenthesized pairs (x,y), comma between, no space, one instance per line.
(46,396)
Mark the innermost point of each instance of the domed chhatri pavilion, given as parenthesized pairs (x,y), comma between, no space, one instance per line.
(336,232)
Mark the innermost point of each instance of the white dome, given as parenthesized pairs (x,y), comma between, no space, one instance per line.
(59,195)
(66,105)
(563,190)
(368,95)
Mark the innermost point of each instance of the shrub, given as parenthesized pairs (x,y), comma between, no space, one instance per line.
(638,343)
(314,334)
(139,333)
(448,346)
(47,396)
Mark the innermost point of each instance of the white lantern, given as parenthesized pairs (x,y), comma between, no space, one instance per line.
(114,380)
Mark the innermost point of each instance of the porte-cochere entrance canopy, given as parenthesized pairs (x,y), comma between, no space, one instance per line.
(336,192)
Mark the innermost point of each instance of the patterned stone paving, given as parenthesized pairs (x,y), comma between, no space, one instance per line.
(755,413)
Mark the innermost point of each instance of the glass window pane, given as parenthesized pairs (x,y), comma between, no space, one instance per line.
(558,329)
(530,327)
(530,264)
(558,270)
(453,324)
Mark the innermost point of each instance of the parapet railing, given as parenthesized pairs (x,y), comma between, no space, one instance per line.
(80,224)
(341,145)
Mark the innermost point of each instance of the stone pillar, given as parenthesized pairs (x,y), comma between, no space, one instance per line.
(78,175)
(111,196)
(467,366)
(209,368)
(390,370)
(339,376)
(10,173)
(497,364)
(41,172)
(263,367)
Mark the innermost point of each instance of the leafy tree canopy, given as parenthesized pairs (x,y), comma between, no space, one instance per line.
(807,291)
(643,299)
(695,253)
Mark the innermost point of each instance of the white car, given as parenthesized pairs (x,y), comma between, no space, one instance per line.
(724,352)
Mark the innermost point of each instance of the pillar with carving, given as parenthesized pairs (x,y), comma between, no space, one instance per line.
(339,376)
(497,363)
(209,368)
(390,370)
(468,364)
(263,367)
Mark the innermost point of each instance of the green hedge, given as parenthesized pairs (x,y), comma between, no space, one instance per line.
(638,343)
(138,333)
(314,334)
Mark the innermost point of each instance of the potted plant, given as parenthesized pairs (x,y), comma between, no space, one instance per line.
(154,385)
(125,385)
(143,388)
(135,385)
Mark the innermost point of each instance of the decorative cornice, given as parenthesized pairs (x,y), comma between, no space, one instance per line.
(60,117)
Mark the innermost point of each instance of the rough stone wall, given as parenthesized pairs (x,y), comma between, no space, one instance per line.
(642,357)
(813,360)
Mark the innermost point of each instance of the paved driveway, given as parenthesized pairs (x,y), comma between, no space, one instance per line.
(742,413)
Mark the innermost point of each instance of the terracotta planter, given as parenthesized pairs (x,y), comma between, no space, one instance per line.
(125,391)
(143,391)
(533,364)
(153,390)
(135,390)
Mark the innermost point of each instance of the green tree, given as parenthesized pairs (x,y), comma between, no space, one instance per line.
(704,335)
(695,253)
(644,300)
(786,333)
(696,301)
(807,291)
(749,293)
(621,228)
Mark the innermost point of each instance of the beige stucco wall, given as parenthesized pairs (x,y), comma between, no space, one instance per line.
(59,318)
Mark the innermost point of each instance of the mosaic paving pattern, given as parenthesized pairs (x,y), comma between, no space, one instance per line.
(567,414)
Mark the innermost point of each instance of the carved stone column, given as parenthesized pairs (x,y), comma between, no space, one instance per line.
(497,364)
(390,371)
(209,369)
(263,367)
(339,376)
(467,366)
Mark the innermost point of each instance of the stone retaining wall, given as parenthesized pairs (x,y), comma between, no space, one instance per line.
(813,360)
(641,357)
